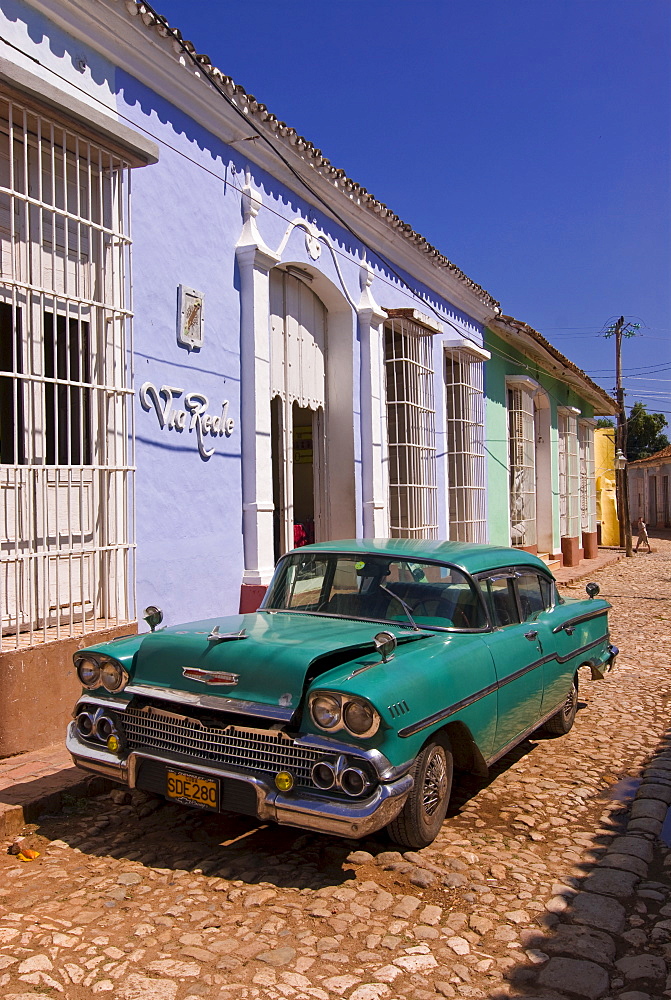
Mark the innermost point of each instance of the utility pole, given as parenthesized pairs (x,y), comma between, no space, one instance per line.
(620,330)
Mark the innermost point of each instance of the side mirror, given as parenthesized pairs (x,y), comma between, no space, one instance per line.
(385,644)
(153,616)
(592,590)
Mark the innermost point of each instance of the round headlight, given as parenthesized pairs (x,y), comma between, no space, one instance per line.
(360,718)
(85,724)
(326,711)
(88,671)
(104,728)
(112,675)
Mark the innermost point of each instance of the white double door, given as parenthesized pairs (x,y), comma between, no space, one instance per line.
(298,331)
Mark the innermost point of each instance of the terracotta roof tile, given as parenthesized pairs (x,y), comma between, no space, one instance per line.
(657,457)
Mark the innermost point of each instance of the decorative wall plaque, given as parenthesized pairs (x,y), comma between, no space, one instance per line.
(190,324)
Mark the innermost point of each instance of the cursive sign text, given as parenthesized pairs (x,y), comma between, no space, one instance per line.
(193,417)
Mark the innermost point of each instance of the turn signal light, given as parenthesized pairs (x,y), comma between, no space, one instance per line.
(284,781)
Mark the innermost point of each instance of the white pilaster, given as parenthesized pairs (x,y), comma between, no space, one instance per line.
(255,260)
(374,479)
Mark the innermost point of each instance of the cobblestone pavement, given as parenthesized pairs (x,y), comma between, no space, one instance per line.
(142,900)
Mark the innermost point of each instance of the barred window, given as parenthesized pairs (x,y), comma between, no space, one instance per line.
(569,476)
(522,466)
(587,480)
(465,447)
(411,422)
(65,415)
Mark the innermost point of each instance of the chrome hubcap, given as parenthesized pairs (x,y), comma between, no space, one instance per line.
(570,702)
(435,784)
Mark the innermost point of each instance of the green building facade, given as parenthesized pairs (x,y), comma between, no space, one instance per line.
(540,414)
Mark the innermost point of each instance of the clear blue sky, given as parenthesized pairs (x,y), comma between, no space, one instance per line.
(529,141)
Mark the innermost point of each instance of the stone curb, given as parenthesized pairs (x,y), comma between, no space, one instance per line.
(51,793)
(631,850)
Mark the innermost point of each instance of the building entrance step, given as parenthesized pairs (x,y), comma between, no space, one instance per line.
(552,564)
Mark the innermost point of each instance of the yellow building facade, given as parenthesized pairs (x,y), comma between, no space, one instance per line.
(604,469)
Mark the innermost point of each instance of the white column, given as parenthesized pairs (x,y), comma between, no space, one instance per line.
(255,260)
(374,480)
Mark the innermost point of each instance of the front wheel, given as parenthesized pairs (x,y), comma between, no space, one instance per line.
(421,818)
(562,722)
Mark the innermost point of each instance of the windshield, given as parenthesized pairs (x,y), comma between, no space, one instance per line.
(375,587)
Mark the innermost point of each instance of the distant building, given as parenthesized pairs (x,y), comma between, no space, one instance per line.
(649,489)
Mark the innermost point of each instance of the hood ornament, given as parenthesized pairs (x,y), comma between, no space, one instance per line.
(217,636)
(224,677)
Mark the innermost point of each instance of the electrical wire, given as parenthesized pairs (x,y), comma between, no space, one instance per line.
(648,369)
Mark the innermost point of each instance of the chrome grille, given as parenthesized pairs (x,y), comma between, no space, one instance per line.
(248,749)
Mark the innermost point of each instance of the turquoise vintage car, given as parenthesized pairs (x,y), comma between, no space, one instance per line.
(372,668)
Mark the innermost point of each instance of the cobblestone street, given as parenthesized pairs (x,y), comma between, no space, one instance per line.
(143,900)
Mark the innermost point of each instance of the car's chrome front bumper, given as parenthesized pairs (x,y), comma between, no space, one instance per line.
(342,818)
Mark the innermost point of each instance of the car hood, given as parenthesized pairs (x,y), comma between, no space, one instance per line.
(267,665)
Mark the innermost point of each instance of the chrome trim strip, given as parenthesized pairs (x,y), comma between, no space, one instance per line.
(224,677)
(580,650)
(581,618)
(222,704)
(525,670)
(445,713)
(118,704)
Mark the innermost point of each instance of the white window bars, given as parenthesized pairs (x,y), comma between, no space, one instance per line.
(66,537)
(569,476)
(522,466)
(587,476)
(465,447)
(411,422)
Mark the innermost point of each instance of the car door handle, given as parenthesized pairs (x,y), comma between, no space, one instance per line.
(569,629)
(531,635)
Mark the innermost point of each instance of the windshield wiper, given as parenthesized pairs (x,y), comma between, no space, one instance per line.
(405,606)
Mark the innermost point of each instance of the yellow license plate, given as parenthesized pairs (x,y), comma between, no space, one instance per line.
(193,790)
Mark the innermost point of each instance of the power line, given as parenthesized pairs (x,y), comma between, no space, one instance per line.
(651,370)
(643,378)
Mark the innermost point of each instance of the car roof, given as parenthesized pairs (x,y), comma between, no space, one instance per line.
(474,558)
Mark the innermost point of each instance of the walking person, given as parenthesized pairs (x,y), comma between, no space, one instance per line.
(642,534)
